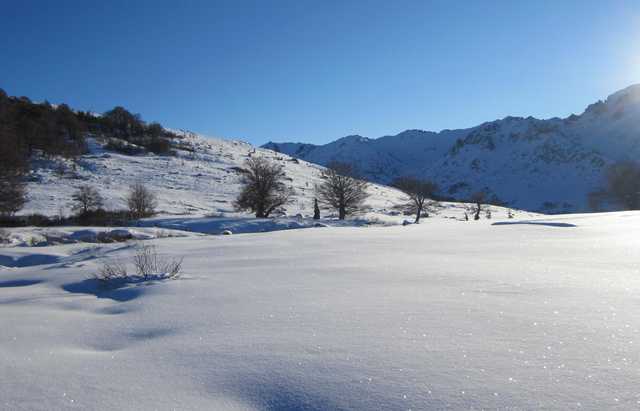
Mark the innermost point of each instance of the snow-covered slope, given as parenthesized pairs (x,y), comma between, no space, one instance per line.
(546,165)
(202,180)
(446,315)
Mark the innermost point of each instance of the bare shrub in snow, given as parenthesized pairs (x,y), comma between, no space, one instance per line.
(112,270)
(342,189)
(141,201)
(263,187)
(148,265)
(420,193)
(86,199)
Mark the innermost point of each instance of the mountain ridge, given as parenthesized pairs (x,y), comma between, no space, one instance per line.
(548,165)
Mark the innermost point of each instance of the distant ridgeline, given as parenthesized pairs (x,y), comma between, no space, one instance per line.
(555,165)
(28,128)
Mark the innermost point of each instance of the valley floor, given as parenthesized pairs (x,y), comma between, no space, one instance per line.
(517,314)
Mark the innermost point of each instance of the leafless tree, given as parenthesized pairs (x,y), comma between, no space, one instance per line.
(477,198)
(140,201)
(342,189)
(623,184)
(316,209)
(86,199)
(420,193)
(263,187)
(12,194)
(13,166)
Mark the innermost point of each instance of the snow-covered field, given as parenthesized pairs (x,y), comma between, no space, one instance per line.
(509,314)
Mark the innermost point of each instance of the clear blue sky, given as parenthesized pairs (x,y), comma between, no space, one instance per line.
(316,71)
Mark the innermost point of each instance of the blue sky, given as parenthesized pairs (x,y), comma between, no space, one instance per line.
(316,71)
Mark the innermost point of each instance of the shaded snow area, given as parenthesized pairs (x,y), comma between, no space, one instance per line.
(538,313)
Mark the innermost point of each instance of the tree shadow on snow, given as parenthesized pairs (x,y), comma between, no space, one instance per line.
(544,223)
(120,292)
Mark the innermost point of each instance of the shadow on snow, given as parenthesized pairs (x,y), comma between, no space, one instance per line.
(544,223)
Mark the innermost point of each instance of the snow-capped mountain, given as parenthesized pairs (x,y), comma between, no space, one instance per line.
(546,165)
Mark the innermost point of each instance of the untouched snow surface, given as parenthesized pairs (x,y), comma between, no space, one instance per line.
(516,314)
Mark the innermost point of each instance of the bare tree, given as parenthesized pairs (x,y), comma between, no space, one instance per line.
(623,184)
(141,202)
(13,166)
(478,199)
(263,187)
(316,209)
(341,189)
(87,199)
(12,194)
(420,193)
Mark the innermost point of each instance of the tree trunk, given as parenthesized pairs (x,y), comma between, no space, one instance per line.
(478,208)
(418,213)
(316,210)
(342,213)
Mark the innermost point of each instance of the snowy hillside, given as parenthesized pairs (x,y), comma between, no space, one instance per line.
(545,165)
(201,180)
(538,314)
